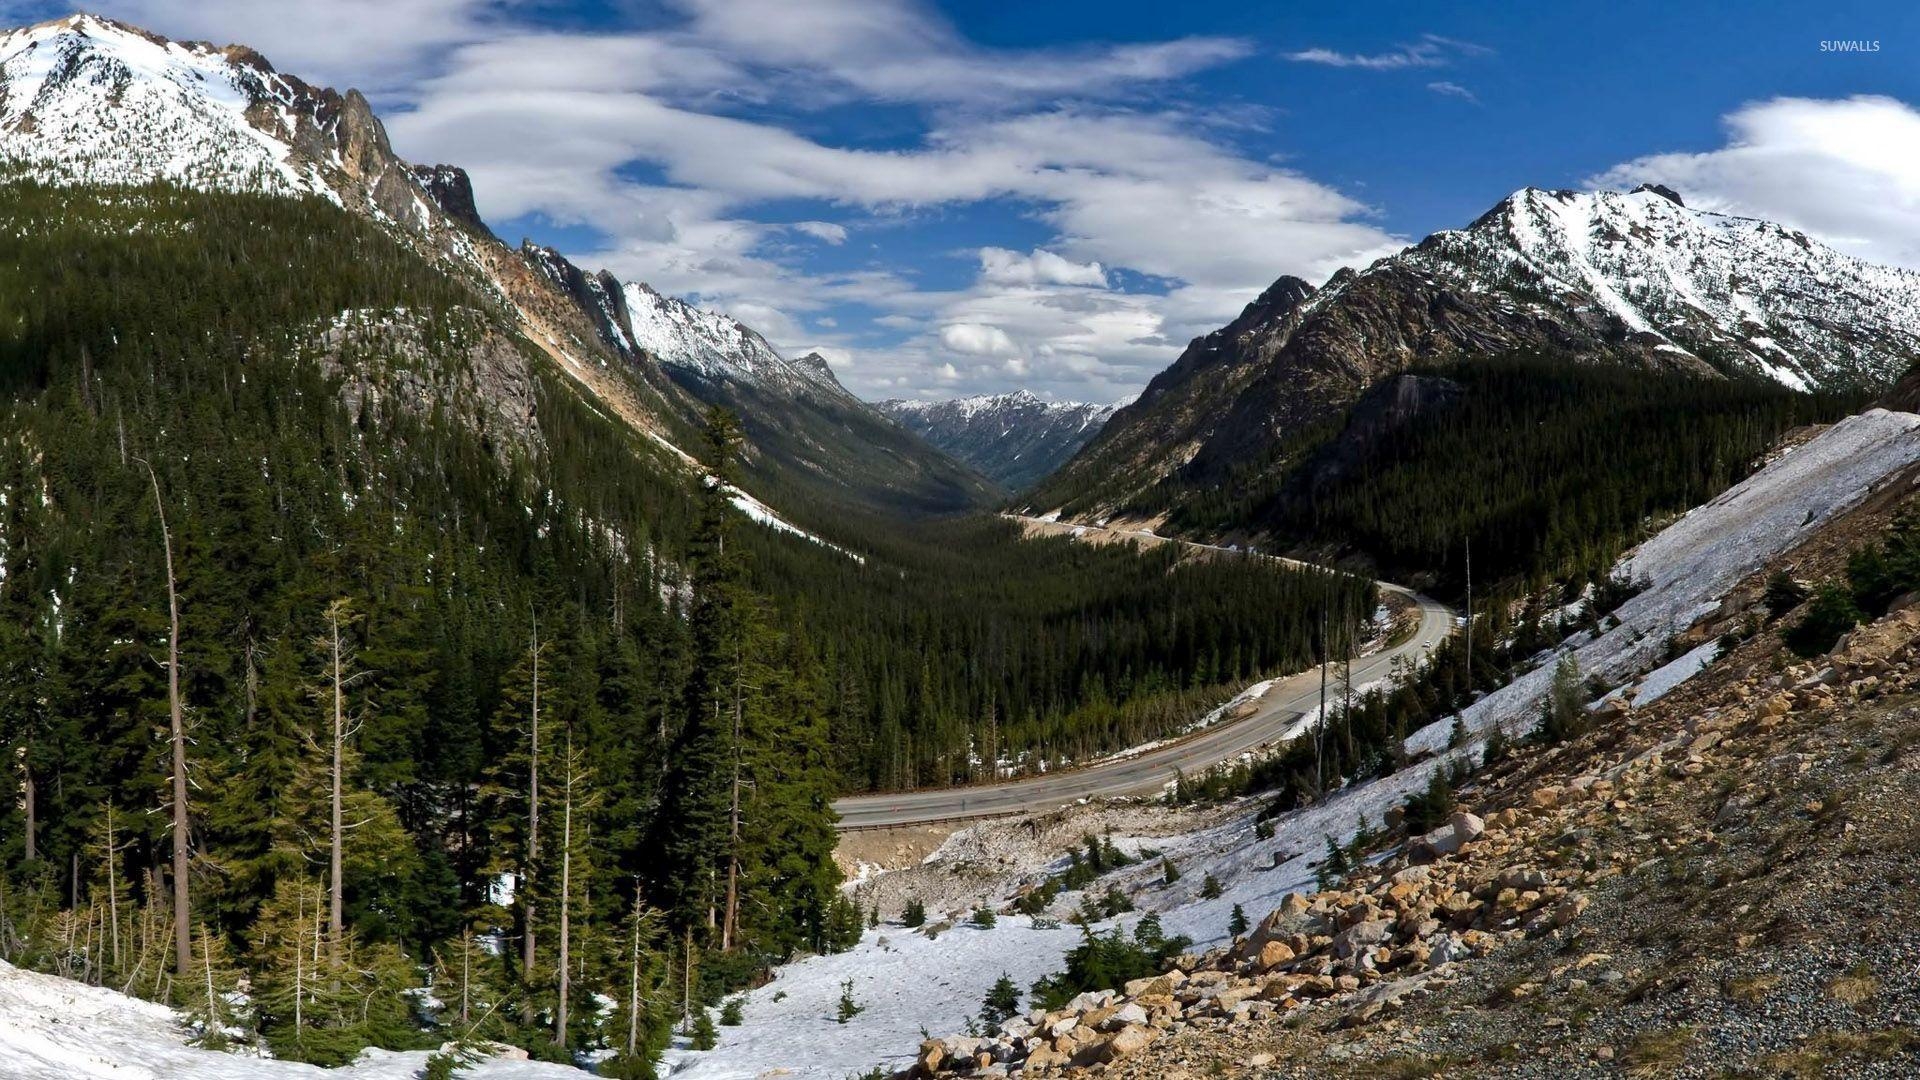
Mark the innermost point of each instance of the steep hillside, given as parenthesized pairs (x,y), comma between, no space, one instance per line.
(1016,440)
(86,100)
(1630,278)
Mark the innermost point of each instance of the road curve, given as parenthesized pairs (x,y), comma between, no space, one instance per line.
(1149,771)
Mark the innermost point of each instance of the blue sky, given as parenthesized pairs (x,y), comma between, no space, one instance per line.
(961,198)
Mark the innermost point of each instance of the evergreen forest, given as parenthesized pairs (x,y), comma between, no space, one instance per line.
(321,671)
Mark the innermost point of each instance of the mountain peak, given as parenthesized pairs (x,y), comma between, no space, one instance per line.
(1661,190)
(815,367)
(91,100)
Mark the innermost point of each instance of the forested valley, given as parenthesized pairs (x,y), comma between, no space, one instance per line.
(323,672)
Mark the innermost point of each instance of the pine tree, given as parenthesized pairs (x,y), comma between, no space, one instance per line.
(693,841)
(1002,1001)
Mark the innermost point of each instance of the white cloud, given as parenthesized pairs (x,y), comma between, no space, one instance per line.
(824,231)
(1846,171)
(900,50)
(1453,89)
(1038,267)
(976,339)
(1122,188)
(1430,51)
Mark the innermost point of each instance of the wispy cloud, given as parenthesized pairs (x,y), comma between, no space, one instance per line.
(1453,90)
(1431,51)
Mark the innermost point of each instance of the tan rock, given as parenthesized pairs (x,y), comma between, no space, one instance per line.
(1273,954)
(1129,1040)
(1569,909)
(1046,1057)
(1153,985)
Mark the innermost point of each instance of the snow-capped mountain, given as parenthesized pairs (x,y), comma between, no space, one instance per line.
(1625,277)
(1742,294)
(89,100)
(712,345)
(1012,439)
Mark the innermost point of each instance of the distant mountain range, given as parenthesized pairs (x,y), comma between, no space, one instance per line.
(1632,278)
(1015,440)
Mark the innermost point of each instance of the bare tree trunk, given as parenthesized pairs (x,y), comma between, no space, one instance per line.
(299,962)
(466,976)
(29,794)
(731,923)
(1469,662)
(533,818)
(633,983)
(336,897)
(182,930)
(206,949)
(113,889)
(566,899)
(1320,721)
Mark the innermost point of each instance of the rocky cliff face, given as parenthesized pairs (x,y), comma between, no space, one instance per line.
(1014,439)
(1634,278)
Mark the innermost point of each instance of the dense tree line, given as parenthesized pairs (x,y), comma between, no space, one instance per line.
(1548,467)
(981,647)
(541,718)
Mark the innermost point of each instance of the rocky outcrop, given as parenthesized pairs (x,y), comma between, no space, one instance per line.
(451,190)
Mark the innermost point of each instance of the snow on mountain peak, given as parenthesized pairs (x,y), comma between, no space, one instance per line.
(715,346)
(1742,294)
(90,100)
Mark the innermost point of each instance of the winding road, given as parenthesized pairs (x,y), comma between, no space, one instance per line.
(1146,772)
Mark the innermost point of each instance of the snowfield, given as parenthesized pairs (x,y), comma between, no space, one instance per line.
(58,1029)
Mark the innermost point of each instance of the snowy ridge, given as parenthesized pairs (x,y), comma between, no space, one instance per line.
(1015,439)
(1085,414)
(713,345)
(762,514)
(1743,294)
(186,113)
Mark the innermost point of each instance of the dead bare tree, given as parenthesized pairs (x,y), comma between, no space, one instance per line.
(533,817)
(570,776)
(176,716)
(339,616)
